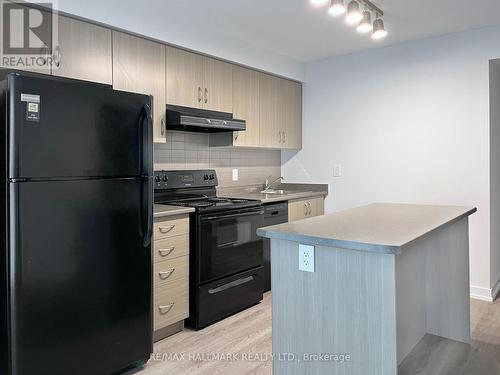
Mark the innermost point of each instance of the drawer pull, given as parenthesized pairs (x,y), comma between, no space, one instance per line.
(166,252)
(166,274)
(164,310)
(230,285)
(166,229)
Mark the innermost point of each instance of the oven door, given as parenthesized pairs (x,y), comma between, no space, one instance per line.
(228,243)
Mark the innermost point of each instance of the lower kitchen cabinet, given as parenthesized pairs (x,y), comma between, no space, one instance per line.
(170,275)
(306,208)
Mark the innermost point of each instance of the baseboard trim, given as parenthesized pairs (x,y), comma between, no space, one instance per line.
(485,294)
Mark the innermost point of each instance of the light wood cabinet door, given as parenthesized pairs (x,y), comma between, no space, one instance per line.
(305,208)
(271,112)
(218,85)
(184,77)
(292,103)
(246,105)
(317,206)
(139,66)
(85,51)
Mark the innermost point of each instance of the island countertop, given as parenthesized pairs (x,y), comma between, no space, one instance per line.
(379,227)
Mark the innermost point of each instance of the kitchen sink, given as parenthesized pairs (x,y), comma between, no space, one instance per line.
(274,191)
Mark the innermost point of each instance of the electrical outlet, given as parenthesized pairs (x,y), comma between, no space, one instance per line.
(235,175)
(306,258)
(337,170)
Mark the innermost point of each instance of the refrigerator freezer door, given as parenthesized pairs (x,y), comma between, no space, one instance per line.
(60,128)
(81,290)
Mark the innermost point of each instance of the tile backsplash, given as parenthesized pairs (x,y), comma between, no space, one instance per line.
(185,150)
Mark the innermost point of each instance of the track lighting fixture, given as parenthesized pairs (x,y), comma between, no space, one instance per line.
(354,16)
(337,7)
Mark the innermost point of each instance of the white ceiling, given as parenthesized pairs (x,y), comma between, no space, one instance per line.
(290,28)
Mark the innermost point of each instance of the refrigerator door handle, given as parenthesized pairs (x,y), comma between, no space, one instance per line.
(148,161)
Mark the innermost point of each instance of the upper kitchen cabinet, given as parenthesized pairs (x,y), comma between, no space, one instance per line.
(280,112)
(246,105)
(197,81)
(292,104)
(139,66)
(271,111)
(218,90)
(84,50)
(184,75)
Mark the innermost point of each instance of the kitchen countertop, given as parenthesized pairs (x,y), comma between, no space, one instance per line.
(163,210)
(295,191)
(271,198)
(379,227)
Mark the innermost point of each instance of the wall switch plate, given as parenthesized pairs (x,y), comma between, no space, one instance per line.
(306,258)
(337,170)
(235,175)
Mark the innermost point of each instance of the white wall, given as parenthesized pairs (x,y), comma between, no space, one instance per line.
(495,169)
(408,123)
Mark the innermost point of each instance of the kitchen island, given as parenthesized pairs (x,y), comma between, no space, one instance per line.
(385,275)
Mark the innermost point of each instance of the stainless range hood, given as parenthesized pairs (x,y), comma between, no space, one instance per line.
(200,120)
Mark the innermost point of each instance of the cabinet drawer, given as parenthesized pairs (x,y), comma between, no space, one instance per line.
(171,228)
(170,270)
(171,247)
(171,303)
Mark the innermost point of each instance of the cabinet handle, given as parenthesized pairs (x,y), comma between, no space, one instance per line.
(166,252)
(57,56)
(310,207)
(281,137)
(235,136)
(284,136)
(200,94)
(305,208)
(165,309)
(165,229)
(166,274)
(162,129)
(206,95)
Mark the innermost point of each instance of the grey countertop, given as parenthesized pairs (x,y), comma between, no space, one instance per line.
(270,198)
(379,227)
(295,191)
(163,210)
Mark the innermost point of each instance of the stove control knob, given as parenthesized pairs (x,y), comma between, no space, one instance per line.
(165,178)
(157,178)
(205,177)
(212,177)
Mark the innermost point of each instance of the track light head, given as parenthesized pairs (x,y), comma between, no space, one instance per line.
(379,31)
(319,3)
(365,26)
(337,7)
(353,13)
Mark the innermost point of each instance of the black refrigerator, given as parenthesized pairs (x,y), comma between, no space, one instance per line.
(76,205)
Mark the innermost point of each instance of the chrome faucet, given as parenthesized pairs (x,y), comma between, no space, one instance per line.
(268,184)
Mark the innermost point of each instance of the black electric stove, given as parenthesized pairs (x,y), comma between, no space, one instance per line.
(226,273)
(196,189)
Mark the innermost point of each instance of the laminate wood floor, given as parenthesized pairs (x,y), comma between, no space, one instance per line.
(249,332)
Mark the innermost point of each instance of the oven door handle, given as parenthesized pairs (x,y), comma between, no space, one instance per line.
(232,284)
(214,217)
